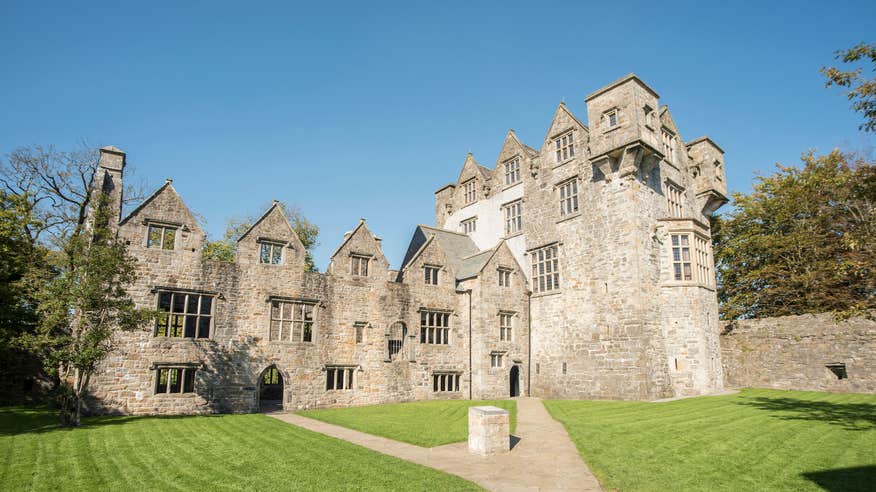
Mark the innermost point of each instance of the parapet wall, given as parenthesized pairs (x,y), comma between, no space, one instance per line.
(805,352)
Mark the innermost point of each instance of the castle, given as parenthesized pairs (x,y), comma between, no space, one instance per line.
(582,269)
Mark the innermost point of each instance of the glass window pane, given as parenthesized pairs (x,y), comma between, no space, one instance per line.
(179,303)
(276,255)
(204,327)
(287,310)
(192,304)
(176,325)
(164,301)
(153,237)
(189,381)
(191,321)
(206,305)
(265,253)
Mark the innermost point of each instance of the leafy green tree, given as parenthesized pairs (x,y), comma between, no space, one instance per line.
(803,241)
(225,249)
(861,90)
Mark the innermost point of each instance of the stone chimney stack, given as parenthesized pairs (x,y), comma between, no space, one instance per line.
(108,180)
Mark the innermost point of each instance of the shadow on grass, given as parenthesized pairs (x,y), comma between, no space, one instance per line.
(850,416)
(844,479)
(34,420)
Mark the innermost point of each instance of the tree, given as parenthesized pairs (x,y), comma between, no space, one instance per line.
(803,241)
(224,249)
(80,300)
(860,89)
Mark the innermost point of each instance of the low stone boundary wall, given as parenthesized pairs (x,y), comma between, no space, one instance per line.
(806,352)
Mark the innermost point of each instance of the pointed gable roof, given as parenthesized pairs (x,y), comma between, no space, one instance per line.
(275,213)
(454,245)
(474,265)
(167,194)
(511,147)
(667,120)
(562,117)
(471,167)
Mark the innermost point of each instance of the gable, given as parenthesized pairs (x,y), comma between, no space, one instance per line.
(272,227)
(667,121)
(510,148)
(360,242)
(471,169)
(430,253)
(563,121)
(165,206)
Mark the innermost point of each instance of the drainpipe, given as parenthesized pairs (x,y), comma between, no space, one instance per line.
(470,345)
(529,341)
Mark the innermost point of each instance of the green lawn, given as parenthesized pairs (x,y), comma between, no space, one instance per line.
(756,440)
(423,423)
(223,452)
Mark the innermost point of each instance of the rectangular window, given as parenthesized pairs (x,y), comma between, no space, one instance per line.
(569,197)
(513,213)
(175,380)
(512,171)
(160,236)
(674,201)
(505,277)
(704,261)
(270,253)
(359,329)
(469,225)
(183,315)
(431,274)
(611,118)
(564,368)
(339,378)
(359,265)
(545,269)
(470,190)
(564,147)
(668,145)
(681,263)
(443,382)
(435,327)
(505,323)
(497,359)
(291,321)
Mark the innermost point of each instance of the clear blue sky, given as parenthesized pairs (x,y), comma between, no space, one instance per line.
(364,110)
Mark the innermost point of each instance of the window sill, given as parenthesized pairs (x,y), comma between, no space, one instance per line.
(573,215)
(548,293)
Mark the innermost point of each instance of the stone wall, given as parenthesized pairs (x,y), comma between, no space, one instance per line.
(793,352)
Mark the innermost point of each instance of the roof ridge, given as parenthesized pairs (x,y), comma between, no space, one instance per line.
(442,230)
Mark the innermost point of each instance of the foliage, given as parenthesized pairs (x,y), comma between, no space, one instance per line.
(861,90)
(225,249)
(219,452)
(22,266)
(404,421)
(755,440)
(803,241)
(82,306)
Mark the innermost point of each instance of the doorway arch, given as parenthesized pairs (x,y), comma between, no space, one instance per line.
(271,386)
(514,381)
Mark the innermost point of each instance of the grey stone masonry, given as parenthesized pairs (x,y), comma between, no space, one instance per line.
(806,352)
(578,269)
(489,430)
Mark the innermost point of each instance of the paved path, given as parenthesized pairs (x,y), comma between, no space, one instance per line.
(544,458)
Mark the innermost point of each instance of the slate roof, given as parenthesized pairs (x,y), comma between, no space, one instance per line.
(459,249)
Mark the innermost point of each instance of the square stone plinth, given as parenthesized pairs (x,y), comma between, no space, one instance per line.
(489,430)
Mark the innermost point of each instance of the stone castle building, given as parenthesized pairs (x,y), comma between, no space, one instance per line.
(581,269)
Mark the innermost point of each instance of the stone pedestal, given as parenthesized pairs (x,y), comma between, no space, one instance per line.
(489,430)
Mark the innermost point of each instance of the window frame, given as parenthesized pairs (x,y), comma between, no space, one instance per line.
(544,268)
(186,375)
(678,261)
(504,276)
(272,246)
(359,263)
(512,171)
(164,228)
(564,146)
(506,326)
(171,315)
(469,225)
(433,331)
(338,373)
(497,360)
(674,200)
(513,224)
(431,274)
(298,318)
(612,118)
(446,382)
(470,191)
(568,191)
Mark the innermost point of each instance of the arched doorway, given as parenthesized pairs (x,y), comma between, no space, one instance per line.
(514,381)
(271,390)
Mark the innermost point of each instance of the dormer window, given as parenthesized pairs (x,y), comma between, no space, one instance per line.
(505,277)
(359,265)
(431,274)
(160,236)
(565,147)
(512,171)
(470,190)
(270,253)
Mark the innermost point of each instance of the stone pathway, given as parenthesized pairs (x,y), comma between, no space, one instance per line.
(543,459)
